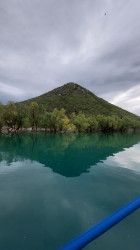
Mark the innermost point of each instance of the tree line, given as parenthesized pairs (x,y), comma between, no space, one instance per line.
(15,117)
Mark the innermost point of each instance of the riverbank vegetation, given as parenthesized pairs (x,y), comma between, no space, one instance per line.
(18,117)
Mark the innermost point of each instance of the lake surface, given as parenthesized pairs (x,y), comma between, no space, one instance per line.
(53,187)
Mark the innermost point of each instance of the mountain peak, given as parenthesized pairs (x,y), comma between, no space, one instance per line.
(71,84)
(68,89)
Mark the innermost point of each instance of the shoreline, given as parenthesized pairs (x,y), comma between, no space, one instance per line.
(6,131)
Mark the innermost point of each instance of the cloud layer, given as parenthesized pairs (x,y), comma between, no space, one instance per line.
(44,44)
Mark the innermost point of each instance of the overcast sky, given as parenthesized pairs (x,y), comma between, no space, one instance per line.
(47,43)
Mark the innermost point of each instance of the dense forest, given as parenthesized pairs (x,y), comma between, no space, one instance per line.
(18,117)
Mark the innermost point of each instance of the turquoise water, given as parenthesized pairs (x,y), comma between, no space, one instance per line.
(53,187)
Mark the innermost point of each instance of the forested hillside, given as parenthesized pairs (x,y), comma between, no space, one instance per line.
(74,98)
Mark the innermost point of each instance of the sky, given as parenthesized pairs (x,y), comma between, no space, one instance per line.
(95,43)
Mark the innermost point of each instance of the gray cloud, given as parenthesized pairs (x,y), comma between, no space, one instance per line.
(44,44)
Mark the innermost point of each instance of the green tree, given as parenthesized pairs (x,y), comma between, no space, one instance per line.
(136,125)
(45,120)
(10,115)
(112,123)
(34,115)
(1,116)
(108,123)
(80,121)
(126,123)
(102,121)
(22,115)
(59,121)
(93,124)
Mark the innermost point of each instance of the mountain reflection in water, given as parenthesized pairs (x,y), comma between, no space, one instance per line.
(69,154)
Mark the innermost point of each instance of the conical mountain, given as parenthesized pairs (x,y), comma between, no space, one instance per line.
(74,98)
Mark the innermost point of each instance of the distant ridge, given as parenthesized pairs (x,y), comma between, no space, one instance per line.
(74,98)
